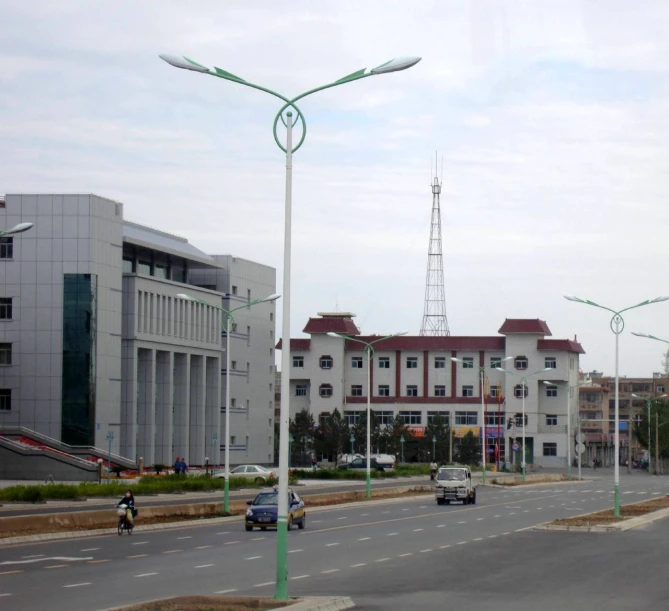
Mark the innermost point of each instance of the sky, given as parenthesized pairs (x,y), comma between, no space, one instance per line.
(549,120)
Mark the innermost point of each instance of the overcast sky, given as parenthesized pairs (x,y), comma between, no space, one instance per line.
(551,117)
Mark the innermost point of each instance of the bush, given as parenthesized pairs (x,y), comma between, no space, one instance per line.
(159,468)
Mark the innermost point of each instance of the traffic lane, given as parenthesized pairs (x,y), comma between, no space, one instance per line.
(533,576)
(207,497)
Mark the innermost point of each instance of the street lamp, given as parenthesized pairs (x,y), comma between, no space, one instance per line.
(229,321)
(523,384)
(481,369)
(369,353)
(20,228)
(290,443)
(110,438)
(352,440)
(617,324)
(648,401)
(402,442)
(434,448)
(394,65)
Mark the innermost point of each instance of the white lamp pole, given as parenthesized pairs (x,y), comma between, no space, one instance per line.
(227,315)
(617,324)
(369,353)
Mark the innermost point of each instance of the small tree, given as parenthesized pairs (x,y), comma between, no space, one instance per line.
(331,437)
(469,452)
(437,428)
(392,434)
(360,432)
(303,430)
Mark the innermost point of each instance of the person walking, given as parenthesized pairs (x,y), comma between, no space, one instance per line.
(177,466)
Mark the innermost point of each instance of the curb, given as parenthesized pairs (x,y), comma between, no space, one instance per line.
(323,603)
(83,534)
(622,526)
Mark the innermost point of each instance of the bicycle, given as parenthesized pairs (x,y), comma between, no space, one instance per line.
(125,519)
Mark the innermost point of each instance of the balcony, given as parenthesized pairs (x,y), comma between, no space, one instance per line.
(556,429)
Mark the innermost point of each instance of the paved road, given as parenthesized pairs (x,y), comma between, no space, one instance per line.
(383,553)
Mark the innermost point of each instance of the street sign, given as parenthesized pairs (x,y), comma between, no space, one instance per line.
(516,447)
(580,438)
(580,448)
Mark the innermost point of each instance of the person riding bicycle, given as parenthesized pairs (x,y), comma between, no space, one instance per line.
(129,501)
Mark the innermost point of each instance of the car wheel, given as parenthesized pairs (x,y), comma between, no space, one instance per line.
(248,528)
(441,501)
(303,522)
(465,501)
(260,480)
(474,498)
(447,502)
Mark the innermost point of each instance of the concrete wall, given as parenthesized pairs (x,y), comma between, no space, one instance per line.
(19,466)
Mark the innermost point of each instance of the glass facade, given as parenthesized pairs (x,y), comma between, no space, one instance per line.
(79,334)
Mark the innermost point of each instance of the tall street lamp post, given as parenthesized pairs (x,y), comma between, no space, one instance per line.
(229,320)
(523,389)
(434,448)
(369,353)
(20,228)
(110,438)
(481,369)
(394,65)
(402,440)
(617,324)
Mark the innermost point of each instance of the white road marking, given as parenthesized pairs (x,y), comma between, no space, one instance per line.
(331,544)
(479,519)
(205,566)
(35,556)
(385,512)
(404,555)
(392,534)
(364,539)
(441,525)
(512,513)
(405,509)
(417,530)
(294,551)
(526,511)
(138,543)
(423,507)
(382,560)
(204,546)
(137,556)
(497,516)
(492,536)
(225,532)
(463,522)
(229,543)
(257,538)
(444,546)
(462,542)
(362,515)
(146,575)
(520,530)
(316,521)
(253,558)
(4,595)
(34,560)
(78,585)
(574,508)
(424,551)
(181,538)
(343,518)
(329,571)
(262,585)
(355,566)
(513,507)
(478,539)
(300,577)
(506,533)
(89,549)
(226,591)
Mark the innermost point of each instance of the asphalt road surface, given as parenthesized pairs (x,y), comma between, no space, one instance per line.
(386,555)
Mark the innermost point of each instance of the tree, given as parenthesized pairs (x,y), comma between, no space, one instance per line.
(390,438)
(360,432)
(438,428)
(469,452)
(303,430)
(659,417)
(331,437)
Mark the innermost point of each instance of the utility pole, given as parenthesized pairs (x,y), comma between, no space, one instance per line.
(657,441)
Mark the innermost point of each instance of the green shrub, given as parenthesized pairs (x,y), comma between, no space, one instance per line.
(32,494)
(159,468)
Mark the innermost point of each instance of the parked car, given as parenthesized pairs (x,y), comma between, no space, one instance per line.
(258,474)
(263,510)
(361,463)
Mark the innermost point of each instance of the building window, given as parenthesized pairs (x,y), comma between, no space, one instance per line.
(233,329)
(271,316)
(298,361)
(384,390)
(352,418)
(466,418)
(440,362)
(5,399)
(7,248)
(234,289)
(468,362)
(384,418)
(445,417)
(233,402)
(440,391)
(412,391)
(233,440)
(384,362)
(518,391)
(494,392)
(518,420)
(551,419)
(412,362)
(5,308)
(325,362)
(467,391)
(591,397)
(161,272)
(414,418)
(5,354)
(300,390)
(325,390)
(495,361)
(128,266)
(572,362)
(233,365)
(356,390)
(550,449)
(356,362)
(520,362)
(143,268)
(495,419)
(551,391)
(550,362)
(660,388)
(248,295)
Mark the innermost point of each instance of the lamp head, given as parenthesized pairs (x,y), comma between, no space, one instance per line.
(20,228)
(178,61)
(184,296)
(395,65)
(272,297)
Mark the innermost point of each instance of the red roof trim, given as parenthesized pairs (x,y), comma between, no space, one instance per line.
(418,400)
(422,343)
(297,344)
(331,324)
(533,326)
(560,344)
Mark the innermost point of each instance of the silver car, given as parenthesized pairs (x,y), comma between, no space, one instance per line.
(258,474)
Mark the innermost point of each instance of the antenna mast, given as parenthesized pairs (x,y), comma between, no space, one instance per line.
(434,312)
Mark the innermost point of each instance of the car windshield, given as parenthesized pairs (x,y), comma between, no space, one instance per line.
(267,498)
(452,475)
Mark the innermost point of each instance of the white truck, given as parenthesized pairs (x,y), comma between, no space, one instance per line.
(455,484)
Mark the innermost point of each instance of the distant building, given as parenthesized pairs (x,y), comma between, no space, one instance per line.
(95,342)
(415,378)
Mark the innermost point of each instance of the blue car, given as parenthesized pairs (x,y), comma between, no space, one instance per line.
(263,510)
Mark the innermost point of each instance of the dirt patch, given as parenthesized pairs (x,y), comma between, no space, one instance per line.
(602,518)
(531,479)
(209,603)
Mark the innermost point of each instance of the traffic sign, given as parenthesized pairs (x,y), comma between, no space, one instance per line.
(580,438)
(516,447)
(580,448)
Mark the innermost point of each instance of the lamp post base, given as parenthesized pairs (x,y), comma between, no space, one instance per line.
(281,591)
(616,500)
(483,476)
(524,468)
(226,495)
(369,484)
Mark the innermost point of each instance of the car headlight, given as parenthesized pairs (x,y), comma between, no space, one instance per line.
(249,513)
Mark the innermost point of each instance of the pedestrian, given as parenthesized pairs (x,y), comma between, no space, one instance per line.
(177,466)
(433,470)
(314,463)
(184,466)
(594,463)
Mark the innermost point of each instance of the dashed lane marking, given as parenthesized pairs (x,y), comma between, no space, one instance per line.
(205,546)
(463,522)
(225,532)
(146,575)
(343,518)
(405,555)
(294,551)
(355,566)
(316,521)
(497,516)
(204,566)
(299,577)
(492,536)
(98,561)
(331,544)
(417,530)
(11,572)
(362,515)
(364,539)
(56,566)
(478,539)
(479,519)
(520,530)
(382,560)
(444,546)
(424,551)
(36,556)
(392,534)
(182,538)
(137,543)
(262,585)
(78,585)
(5,595)
(441,525)
(137,556)
(329,571)
(461,543)
(231,542)
(88,549)
(226,591)
(257,538)
(253,558)
(172,551)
